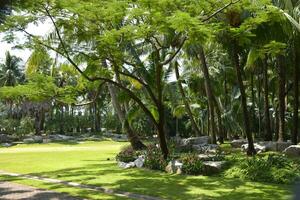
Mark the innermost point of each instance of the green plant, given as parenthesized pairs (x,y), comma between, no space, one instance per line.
(269,168)
(192,164)
(127,154)
(10,125)
(154,158)
(26,126)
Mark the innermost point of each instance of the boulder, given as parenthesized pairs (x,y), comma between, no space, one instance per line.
(28,141)
(281,146)
(126,165)
(208,157)
(268,146)
(211,167)
(47,140)
(58,137)
(195,141)
(238,143)
(173,167)
(4,138)
(6,144)
(257,147)
(139,162)
(206,148)
(293,150)
(38,139)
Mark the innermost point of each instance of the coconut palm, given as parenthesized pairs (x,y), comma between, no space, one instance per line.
(10,72)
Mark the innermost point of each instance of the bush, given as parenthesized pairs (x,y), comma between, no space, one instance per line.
(127,154)
(154,158)
(269,168)
(26,126)
(192,164)
(9,126)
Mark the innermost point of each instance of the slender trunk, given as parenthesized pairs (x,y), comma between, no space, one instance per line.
(61,125)
(221,127)
(268,132)
(253,116)
(96,117)
(161,111)
(209,93)
(132,137)
(185,101)
(37,123)
(258,106)
(296,98)
(225,101)
(251,150)
(281,99)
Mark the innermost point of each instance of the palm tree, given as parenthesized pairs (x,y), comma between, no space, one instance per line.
(291,10)
(10,72)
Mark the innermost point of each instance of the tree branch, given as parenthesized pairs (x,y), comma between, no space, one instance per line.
(175,54)
(220,10)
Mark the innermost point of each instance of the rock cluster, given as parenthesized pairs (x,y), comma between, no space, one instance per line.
(139,163)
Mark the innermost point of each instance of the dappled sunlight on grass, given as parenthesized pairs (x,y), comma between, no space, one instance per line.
(95,165)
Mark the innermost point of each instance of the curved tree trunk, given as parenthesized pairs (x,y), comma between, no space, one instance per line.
(236,62)
(185,101)
(268,132)
(132,137)
(209,93)
(281,99)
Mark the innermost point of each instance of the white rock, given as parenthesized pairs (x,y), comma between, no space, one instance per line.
(7,144)
(126,165)
(293,150)
(238,143)
(174,166)
(139,162)
(257,147)
(213,166)
(195,140)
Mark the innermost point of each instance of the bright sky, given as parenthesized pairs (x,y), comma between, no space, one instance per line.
(40,30)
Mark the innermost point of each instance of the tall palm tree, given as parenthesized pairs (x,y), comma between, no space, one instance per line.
(291,10)
(10,72)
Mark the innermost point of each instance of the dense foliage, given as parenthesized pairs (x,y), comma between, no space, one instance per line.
(269,168)
(155,67)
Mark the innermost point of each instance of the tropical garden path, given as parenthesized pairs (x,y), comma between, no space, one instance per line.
(15,191)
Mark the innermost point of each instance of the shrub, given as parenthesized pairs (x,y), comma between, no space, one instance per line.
(192,164)
(9,125)
(154,158)
(127,154)
(26,126)
(269,168)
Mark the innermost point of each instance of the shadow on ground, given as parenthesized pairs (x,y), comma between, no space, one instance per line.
(142,181)
(13,191)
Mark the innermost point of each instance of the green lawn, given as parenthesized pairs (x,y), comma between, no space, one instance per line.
(93,163)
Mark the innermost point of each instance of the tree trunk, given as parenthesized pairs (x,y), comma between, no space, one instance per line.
(185,101)
(96,117)
(281,99)
(236,62)
(268,132)
(259,107)
(132,137)
(253,116)
(209,93)
(296,97)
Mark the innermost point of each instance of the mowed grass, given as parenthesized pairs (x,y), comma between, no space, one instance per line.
(93,163)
